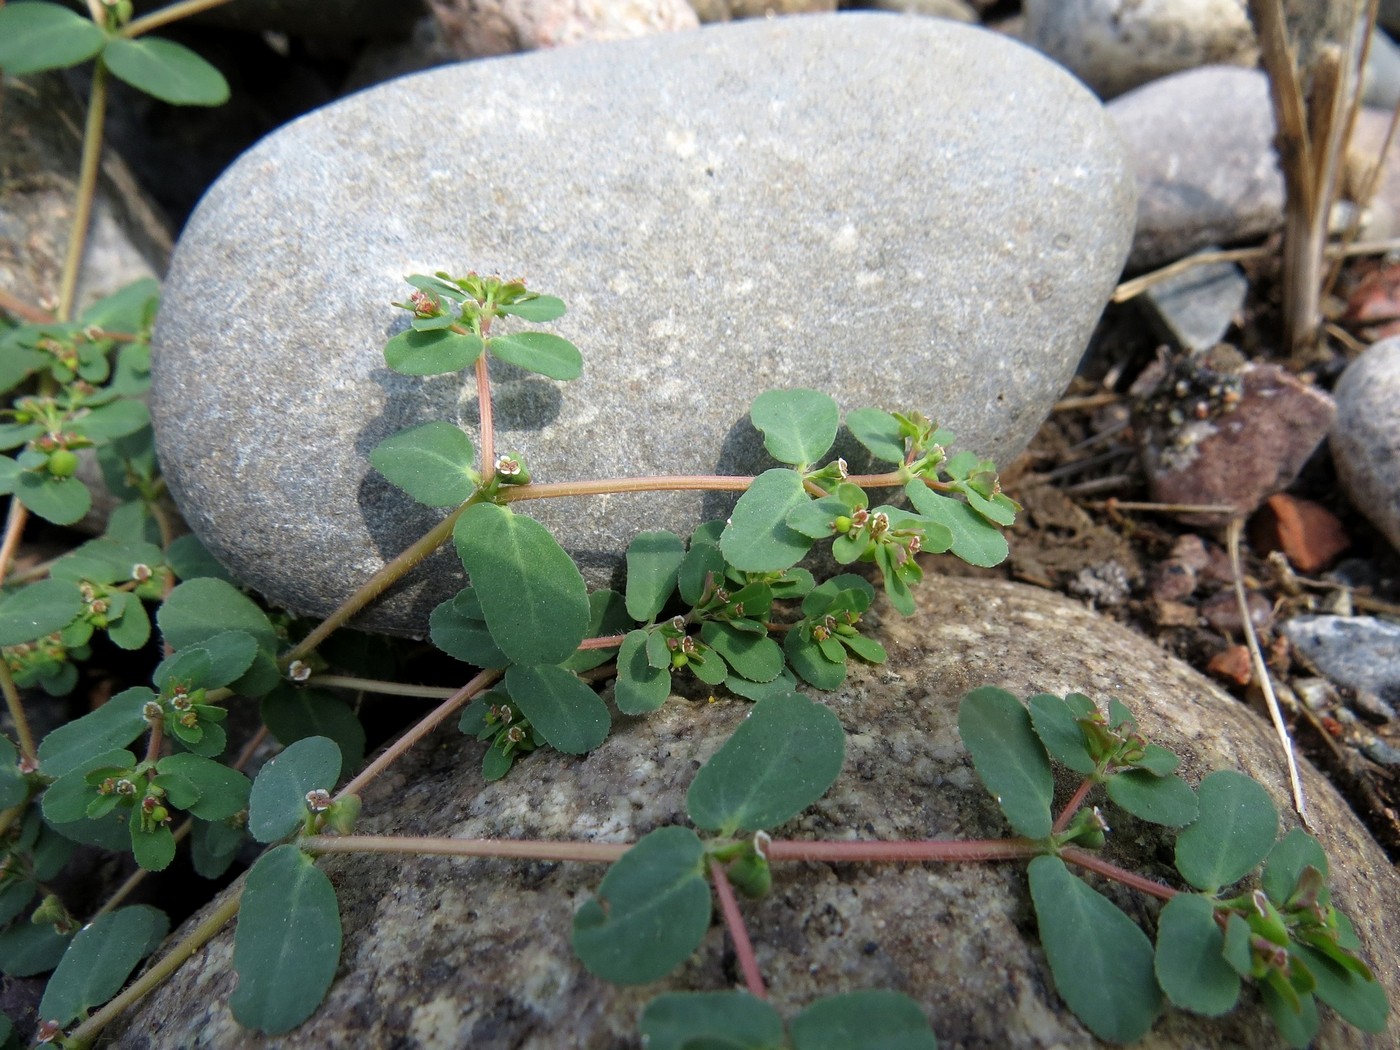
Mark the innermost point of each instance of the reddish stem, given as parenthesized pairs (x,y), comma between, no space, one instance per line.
(1106,868)
(929,850)
(1076,800)
(738,932)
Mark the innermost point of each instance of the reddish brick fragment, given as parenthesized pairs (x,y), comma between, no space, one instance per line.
(1232,665)
(1308,533)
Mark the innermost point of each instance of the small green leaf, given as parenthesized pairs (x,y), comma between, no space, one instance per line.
(703,559)
(757,538)
(38,609)
(116,419)
(27,949)
(564,710)
(190,560)
(291,714)
(287,944)
(549,355)
(532,595)
(1287,859)
(1234,832)
(539,309)
(1054,722)
(496,763)
(277,803)
(1101,960)
(651,910)
(415,353)
(432,463)
(879,432)
(1165,800)
(653,561)
(201,608)
(153,848)
(975,540)
(169,71)
(876,1019)
(815,519)
(105,561)
(753,656)
(1298,1026)
(214,845)
(809,661)
(781,759)
(1009,758)
(37,36)
(1190,963)
(66,799)
(128,625)
(640,687)
(112,726)
(675,1020)
(222,791)
(1358,1001)
(458,628)
(798,426)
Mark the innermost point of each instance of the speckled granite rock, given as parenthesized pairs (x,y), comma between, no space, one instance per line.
(1365,440)
(443,954)
(907,213)
(474,28)
(1202,149)
(1117,45)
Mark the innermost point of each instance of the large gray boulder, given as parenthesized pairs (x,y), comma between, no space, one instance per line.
(907,214)
(447,954)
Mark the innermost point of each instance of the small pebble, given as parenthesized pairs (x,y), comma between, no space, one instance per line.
(1174,614)
(1317,694)
(1222,611)
(1191,550)
(1104,585)
(1232,664)
(1362,652)
(1172,580)
(1372,706)
(1377,750)
(1308,533)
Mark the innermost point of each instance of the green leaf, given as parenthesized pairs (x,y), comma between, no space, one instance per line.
(38,609)
(66,799)
(112,726)
(702,559)
(651,910)
(879,432)
(432,463)
(213,663)
(27,949)
(975,540)
(130,308)
(539,308)
(815,518)
(1234,832)
(1165,800)
(1054,722)
(807,659)
(1009,758)
(607,617)
(1358,1001)
(674,1020)
(287,944)
(169,71)
(562,707)
(128,625)
(201,608)
(1190,963)
(116,419)
(153,848)
(876,1019)
(1287,859)
(292,713)
(458,629)
(753,656)
(798,426)
(781,759)
(222,791)
(214,845)
(36,36)
(105,561)
(1298,1027)
(640,687)
(1101,960)
(549,355)
(532,595)
(15,895)
(189,560)
(653,562)
(757,538)
(415,353)
(277,803)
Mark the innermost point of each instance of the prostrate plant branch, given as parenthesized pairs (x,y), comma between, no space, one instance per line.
(738,932)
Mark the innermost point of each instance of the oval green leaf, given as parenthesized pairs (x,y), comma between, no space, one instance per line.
(753,656)
(62,501)
(653,562)
(201,608)
(287,943)
(432,463)
(35,37)
(875,1019)
(640,687)
(1009,758)
(781,759)
(1358,1001)
(539,308)
(277,802)
(222,791)
(1054,722)
(112,726)
(651,910)
(458,629)
(293,713)
(532,595)
(798,426)
(415,353)
(758,538)
(1100,958)
(673,1021)
(1190,962)
(38,609)
(169,71)
(1234,831)
(1165,800)
(561,706)
(549,355)
(879,432)
(975,540)
(1287,859)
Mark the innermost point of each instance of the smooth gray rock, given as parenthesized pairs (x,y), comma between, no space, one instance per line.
(442,954)
(1361,652)
(1365,438)
(1117,45)
(1194,309)
(1202,149)
(911,214)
